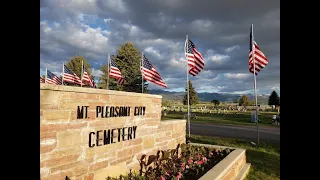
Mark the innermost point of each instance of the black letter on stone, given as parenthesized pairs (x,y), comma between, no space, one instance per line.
(135,111)
(129,133)
(80,112)
(134,131)
(91,145)
(86,112)
(119,129)
(116,110)
(123,134)
(144,110)
(98,139)
(98,110)
(111,111)
(112,136)
(106,137)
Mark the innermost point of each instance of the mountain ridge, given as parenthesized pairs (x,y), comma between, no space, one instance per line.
(207,97)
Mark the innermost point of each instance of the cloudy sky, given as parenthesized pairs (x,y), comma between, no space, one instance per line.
(219,29)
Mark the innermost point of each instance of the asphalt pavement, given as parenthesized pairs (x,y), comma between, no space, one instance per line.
(233,131)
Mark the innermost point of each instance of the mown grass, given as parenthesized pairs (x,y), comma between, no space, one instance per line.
(241,118)
(265,159)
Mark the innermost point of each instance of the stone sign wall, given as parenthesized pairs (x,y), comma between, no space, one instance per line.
(90,133)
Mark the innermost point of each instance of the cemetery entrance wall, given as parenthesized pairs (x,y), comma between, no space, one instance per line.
(88,133)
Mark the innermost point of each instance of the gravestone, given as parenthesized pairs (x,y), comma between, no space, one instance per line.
(164,113)
(253,116)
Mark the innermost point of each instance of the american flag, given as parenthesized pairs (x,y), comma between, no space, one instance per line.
(86,78)
(71,77)
(41,80)
(150,73)
(52,78)
(194,57)
(115,72)
(260,60)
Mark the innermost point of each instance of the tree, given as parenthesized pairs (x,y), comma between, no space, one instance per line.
(166,103)
(193,98)
(244,101)
(128,60)
(215,102)
(274,99)
(104,79)
(74,64)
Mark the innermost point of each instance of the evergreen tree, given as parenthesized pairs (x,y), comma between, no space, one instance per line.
(128,60)
(193,98)
(244,101)
(215,102)
(274,99)
(74,64)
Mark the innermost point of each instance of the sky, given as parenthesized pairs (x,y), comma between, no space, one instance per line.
(158,28)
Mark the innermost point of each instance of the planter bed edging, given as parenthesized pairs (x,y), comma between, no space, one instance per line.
(226,168)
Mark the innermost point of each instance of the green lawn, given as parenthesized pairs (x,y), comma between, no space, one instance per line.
(241,118)
(265,160)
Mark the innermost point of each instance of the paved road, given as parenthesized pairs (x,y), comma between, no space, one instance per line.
(241,132)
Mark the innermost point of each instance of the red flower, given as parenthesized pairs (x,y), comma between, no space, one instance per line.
(179,175)
(204,158)
(182,166)
(162,178)
(200,162)
(190,161)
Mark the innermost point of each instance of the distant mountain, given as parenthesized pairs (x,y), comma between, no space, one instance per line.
(207,97)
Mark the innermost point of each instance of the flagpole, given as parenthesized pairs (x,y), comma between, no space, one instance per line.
(186,46)
(255,83)
(81,72)
(141,65)
(62,72)
(108,71)
(46,76)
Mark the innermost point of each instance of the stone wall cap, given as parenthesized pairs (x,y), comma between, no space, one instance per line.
(54,87)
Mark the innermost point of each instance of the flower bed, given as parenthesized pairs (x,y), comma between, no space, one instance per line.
(186,162)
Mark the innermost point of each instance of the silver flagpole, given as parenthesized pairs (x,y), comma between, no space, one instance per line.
(81,72)
(62,72)
(108,71)
(45,80)
(185,47)
(141,66)
(255,83)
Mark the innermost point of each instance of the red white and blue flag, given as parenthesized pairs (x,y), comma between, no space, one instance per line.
(70,77)
(194,57)
(260,60)
(86,78)
(150,74)
(115,72)
(52,78)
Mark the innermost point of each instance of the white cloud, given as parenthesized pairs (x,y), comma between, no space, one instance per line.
(152,51)
(96,73)
(73,28)
(202,26)
(215,57)
(117,5)
(238,76)
(108,20)
(218,58)
(232,48)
